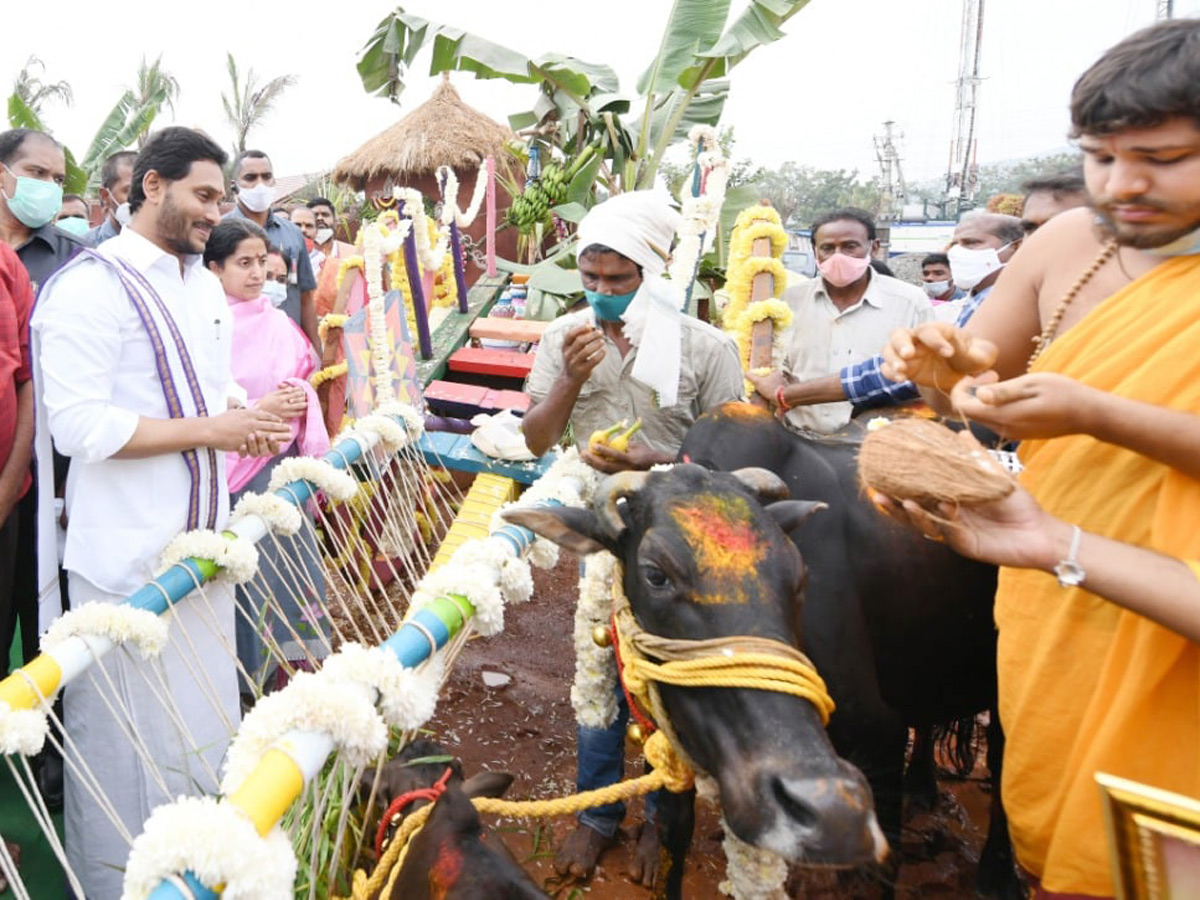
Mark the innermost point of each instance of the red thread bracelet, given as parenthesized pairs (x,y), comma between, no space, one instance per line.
(779,401)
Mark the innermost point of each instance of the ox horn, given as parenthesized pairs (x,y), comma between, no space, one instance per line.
(612,489)
(763,483)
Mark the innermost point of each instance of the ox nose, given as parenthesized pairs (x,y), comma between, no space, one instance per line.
(835,819)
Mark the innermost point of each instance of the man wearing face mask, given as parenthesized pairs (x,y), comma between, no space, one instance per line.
(254,188)
(631,354)
(839,319)
(115,178)
(863,383)
(591,370)
(33,168)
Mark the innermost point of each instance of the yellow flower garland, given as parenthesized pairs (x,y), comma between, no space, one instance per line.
(739,282)
(350,262)
(741,243)
(328,374)
(777,311)
(330,320)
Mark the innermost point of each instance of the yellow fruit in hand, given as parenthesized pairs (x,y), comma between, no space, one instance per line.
(621,442)
(602,435)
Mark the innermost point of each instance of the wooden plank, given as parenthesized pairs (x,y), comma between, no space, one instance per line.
(455,451)
(526,331)
(453,331)
(483,361)
(495,401)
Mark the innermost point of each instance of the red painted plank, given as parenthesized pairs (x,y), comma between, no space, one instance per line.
(502,363)
(501,329)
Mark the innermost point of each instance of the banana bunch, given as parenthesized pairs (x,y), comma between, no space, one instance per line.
(533,205)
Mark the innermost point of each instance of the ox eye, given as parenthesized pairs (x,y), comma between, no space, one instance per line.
(655,576)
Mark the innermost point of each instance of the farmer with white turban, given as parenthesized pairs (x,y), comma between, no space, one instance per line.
(631,354)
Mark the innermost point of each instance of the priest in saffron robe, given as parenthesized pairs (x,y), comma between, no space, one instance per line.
(1098,606)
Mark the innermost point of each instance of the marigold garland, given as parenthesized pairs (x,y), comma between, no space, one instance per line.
(739,283)
(780,315)
(329,373)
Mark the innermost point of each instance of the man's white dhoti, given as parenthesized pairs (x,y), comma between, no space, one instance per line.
(147,731)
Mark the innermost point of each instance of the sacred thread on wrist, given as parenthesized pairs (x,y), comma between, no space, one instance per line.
(780,401)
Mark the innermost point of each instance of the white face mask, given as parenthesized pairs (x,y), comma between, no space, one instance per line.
(969,267)
(275,292)
(258,198)
(935,289)
(323,235)
(122,214)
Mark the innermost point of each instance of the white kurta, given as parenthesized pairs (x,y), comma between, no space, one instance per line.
(97,377)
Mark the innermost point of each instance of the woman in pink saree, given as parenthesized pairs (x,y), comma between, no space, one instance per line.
(281,624)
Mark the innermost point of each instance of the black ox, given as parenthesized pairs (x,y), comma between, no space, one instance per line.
(900,628)
(702,560)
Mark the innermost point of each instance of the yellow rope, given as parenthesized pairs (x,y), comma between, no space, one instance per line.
(669,773)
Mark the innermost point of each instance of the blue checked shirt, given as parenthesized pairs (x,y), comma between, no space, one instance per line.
(867,388)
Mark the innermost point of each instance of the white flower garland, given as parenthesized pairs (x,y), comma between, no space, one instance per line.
(218,844)
(751,873)
(407,697)
(414,207)
(381,352)
(472,572)
(450,210)
(310,702)
(332,481)
(393,437)
(237,557)
(22,731)
(569,481)
(699,215)
(414,421)
(543,554)
(593,694)
(516,580)
(280,516)
(118,622)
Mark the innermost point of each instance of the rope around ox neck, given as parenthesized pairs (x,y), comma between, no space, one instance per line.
(740,661)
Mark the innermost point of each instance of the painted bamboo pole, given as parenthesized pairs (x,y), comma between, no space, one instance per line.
(420,310)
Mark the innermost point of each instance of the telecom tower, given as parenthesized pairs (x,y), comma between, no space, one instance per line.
(891,175)
(1165,9)
(962,173)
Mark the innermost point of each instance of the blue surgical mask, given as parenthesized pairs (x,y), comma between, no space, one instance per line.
(34,202)
(609,307)
(73,225)
(1188,245)
(275,292)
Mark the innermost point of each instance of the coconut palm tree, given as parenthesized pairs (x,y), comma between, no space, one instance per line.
(34,92)
(155,86)
(247,104)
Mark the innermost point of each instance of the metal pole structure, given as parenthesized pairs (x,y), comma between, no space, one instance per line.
(1165,9)
(970,174)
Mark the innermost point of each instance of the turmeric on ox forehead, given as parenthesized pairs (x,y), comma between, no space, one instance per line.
(726,544)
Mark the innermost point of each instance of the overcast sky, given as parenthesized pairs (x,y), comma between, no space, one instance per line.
(815,97)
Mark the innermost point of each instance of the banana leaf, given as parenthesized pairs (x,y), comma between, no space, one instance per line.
(758,25)
(22,115)
(692,27)
(125,123)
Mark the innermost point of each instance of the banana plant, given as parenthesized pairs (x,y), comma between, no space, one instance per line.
(579,103)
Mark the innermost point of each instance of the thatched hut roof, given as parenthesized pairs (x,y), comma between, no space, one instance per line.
(443,131)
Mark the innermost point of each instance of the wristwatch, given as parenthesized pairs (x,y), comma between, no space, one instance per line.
(1068,571)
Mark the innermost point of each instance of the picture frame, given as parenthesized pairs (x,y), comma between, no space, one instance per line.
(1154,840)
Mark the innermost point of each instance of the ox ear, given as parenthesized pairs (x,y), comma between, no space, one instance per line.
(578,530)
(488,784)
(791,514)
(763,483)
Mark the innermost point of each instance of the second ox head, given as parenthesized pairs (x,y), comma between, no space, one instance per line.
(702,559)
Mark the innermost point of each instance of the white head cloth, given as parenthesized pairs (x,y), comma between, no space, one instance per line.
(640,225)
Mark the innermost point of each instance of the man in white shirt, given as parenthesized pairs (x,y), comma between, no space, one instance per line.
(839,319)
(133,352)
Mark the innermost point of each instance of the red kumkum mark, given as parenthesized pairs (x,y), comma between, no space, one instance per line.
(446,869)
(727,546)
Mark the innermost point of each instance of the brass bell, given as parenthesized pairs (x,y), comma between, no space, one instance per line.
(601,636)
(635,733)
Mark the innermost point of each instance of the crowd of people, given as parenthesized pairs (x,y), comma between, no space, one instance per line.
(157,365)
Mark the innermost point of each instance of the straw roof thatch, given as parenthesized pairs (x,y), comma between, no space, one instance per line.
(443,131)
